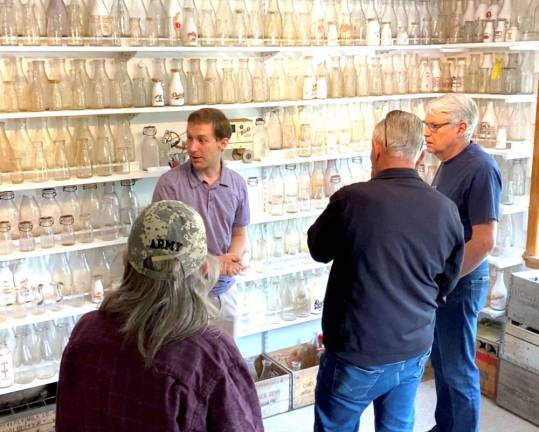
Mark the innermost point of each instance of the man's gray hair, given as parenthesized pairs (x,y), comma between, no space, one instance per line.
(459,108)
(401,133)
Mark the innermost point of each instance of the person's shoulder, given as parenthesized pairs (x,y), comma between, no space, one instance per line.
(173,174)
(481,159)
(234,177)
(211,351)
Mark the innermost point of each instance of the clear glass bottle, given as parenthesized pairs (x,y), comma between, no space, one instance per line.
(122,86)
(288,310)
(488,127)
(373,24)
(56,22)
(322,81)
(27,241)
(90,213)
(61,275)
(81,84)
(518,177)
(99,25)
(103,156)
(46,236)
(359,23)
(110,213)
(291,204)
(129,206)
(100,268)
(244,82)
(511,74)
(472,77)
(318,198)
(349,78)
(30,34)
(176,94)
(336,80)
(375,77)
(288,130)
(267,371)
(228,85)
(7,377)
(23,360)
(224,24)
(39,87)
(8,29)
(260,140)
(276,191)
(274,131)
(49,207)
(119,22)
(150,148)
(292,239)
(67,234)
(100,86)
(273,26)
(84,165)
(47,365)
(124,139)
(388,29)
(302,297)
(240,18)
(304,188)
(212,83)
(69,204)
(142,94)
(80,272)
(76,17)
(289,35)
(6,239)
(260,81)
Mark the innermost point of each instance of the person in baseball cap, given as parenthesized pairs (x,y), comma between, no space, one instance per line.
(147,359)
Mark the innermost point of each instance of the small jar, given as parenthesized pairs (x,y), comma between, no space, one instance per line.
(6,240)
(46,232)
(67,234)
(27,241)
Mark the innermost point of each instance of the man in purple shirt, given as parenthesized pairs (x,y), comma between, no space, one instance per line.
(219,195)
(147,361)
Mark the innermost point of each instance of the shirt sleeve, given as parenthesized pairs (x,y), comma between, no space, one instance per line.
(484,195)
(324,236)
(243,214)
(233,404)
(447,281)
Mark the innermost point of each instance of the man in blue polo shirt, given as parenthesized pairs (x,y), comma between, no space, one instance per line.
(471,179)
(219,195)
(397,247)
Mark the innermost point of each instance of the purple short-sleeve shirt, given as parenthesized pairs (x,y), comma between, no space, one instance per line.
(223,206)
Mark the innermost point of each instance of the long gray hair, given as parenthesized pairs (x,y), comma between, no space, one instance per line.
(154,313)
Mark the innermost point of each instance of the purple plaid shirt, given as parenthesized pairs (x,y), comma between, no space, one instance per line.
(199,384)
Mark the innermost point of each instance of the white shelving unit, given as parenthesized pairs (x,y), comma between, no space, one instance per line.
(34,383)
(65,312)
(288,266)
(518,151)
(61,249)
(513,258)
(516,98)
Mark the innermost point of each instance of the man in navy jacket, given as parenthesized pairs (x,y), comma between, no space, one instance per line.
(397,248)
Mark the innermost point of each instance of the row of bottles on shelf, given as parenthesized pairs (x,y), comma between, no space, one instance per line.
(277,245)
(263,22)
(42,156)
(303,78)
(33,352)
(509,238)
(294,188)
(96,213)
(281,298)
(33,286)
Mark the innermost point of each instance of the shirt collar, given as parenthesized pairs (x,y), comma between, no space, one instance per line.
(391,173)
(195,181)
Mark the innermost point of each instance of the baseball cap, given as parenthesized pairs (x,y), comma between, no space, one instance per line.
(166,230)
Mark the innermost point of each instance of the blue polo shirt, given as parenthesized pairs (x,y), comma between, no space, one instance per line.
(223,205)
(473,182)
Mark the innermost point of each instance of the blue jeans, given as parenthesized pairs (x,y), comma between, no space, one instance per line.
(453,354)
(343,391)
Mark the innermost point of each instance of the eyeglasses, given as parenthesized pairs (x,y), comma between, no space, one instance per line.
(435,126)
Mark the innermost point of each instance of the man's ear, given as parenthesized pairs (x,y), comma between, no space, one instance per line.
(205,267)
(420,158)
(461,130)
(376,150)
(222,143)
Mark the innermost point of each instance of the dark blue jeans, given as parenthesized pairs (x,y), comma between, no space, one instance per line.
(453,354)
(343,391)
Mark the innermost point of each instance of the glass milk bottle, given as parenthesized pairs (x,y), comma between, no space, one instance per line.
(7,376)
(110,213)
(150,148)
(260,140)
(81,278)
(23,360)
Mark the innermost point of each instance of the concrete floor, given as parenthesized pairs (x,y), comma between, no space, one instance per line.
(493,417)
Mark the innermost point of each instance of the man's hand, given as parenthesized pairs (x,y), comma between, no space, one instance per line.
(231,264)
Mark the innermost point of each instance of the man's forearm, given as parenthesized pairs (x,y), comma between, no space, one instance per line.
(475,253)
(237,244)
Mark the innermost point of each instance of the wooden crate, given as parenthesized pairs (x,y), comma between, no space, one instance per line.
(488,370)
(304,380)
(489,337)
(518,391)
(34,420)
(523,305)
(521,346)
(273,393)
